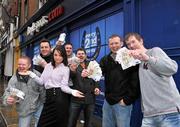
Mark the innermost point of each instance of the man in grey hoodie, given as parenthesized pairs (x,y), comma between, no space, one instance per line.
(25,93)
(160,96)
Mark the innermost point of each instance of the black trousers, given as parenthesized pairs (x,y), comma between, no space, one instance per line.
(56,109)
(75,110)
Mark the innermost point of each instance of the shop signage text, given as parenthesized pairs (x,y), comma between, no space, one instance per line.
(37,25)
(58,11)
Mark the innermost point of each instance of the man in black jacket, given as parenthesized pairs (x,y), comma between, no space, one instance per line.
(121,87)
(44,57)
(89,88)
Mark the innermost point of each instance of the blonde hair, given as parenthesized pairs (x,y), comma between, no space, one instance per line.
(26,58)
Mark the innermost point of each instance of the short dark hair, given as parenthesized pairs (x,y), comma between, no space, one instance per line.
(62,52)
(45,40)
(115,35)
(81,49)
(68,43)
(136,35)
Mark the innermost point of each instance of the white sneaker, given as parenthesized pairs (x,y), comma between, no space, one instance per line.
(82,121)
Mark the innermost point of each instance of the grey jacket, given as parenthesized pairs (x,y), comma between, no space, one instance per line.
(34,94)
(158,89)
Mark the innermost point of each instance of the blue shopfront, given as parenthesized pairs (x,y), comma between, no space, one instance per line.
(88,24)
(93,36)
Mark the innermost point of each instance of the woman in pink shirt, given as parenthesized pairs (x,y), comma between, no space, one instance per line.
(55,79)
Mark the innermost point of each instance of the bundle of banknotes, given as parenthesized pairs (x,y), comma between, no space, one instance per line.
(37,59)
(73,60)
(17,93)
(96,72)
(125,59)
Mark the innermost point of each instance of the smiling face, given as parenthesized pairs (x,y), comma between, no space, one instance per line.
(57,57)
(45,48)
(69,50)
(23,65)
(81,55)
(115,44)
(133,43)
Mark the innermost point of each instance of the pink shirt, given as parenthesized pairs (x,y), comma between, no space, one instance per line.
(55,77)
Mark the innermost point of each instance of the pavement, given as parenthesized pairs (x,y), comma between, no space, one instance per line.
(8,113)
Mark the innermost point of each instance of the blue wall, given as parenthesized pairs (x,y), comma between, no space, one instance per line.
(160,26)
(158,21)
(107,26)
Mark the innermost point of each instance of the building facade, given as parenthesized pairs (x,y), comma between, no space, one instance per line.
(89,23)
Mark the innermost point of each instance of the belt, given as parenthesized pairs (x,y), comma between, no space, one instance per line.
(53,91)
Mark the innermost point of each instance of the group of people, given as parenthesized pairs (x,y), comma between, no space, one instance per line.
(56,91)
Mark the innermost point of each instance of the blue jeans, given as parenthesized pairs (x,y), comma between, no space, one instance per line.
(26,121)
(75,110)
(167,120)
(116,115)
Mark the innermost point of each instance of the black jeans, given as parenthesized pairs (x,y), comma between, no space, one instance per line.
(75,110)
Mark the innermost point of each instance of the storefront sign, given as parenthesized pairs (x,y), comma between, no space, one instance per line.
(58,11)
(37,25)
(91,42)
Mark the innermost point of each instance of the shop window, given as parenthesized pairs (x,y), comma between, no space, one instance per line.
(36,50)
(94,37)
(53,42)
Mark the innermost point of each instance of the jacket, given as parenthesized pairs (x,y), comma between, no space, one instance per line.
(34,94)
(119,83)
(85,85)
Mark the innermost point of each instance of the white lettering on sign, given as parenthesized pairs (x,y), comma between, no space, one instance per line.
(37,25)
(90,41)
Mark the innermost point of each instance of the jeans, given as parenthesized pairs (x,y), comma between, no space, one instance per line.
(75,110)
(167,120)
(26,121)
(116,115)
